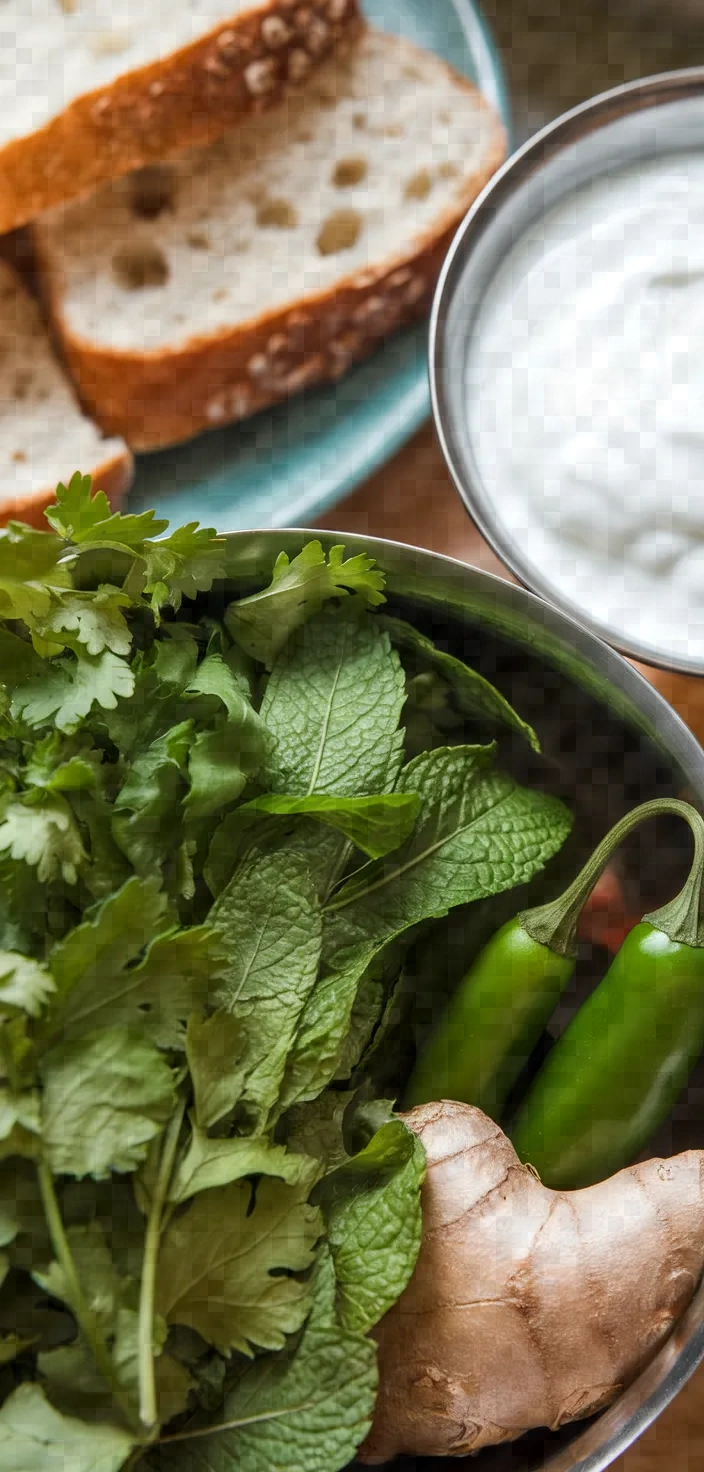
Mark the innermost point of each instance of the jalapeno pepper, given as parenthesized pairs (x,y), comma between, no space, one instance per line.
(613,1077)
(501,1007)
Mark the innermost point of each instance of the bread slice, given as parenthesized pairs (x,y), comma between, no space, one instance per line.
(90,89)
(279,256)
(44,437)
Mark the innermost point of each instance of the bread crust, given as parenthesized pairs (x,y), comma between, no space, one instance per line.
(189,98)
(113,476)
(163,397)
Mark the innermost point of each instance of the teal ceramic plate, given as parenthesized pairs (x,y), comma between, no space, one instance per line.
(289,464)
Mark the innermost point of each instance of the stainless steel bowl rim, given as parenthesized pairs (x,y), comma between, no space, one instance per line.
(414,570)
(564,131)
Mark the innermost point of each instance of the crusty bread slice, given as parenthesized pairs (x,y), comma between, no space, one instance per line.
(275,258)
(44,437)
(90,89)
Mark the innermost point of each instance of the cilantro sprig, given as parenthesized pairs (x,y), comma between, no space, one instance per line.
(219,833)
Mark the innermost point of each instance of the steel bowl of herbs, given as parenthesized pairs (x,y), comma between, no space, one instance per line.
(264,797)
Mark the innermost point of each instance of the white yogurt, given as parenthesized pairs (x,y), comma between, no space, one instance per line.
(585,394)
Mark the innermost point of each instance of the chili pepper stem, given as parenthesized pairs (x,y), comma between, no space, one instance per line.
(555,924)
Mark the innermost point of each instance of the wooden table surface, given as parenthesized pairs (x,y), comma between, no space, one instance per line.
(413,500)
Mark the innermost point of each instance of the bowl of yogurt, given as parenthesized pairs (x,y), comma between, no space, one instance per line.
(567,366)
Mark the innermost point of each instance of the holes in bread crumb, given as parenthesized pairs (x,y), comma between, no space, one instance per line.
(152,191)
(199,240)
(359,121)
(339,232)
(138,266)
(19,457)
(448,170)
(276,214)
(221,294)
(419,185)
(350,171)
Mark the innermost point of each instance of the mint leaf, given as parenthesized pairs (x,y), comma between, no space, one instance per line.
(36,1438)
(325,1021)
(221,1265)
(306,1410)
(373,1213)
(175,978)
(333,704)
(270,924)
(316,1127)
(474,695)
(224,757)
(264,622)
(105,1098)
(43,834)
(210,1163)
(376,824)
(478,833)
(215,1048)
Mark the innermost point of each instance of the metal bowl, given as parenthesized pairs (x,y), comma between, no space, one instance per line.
(609,741)
(636,122)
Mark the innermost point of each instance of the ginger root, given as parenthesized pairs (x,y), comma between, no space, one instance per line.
(528,1307)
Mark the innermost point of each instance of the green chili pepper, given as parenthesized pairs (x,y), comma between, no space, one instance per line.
(613,1077)
(501,1007)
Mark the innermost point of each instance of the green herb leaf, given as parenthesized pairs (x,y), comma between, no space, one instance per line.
(376,825)
(29,572)
(333,704)
(264,622)
(93,956)
(25,985)
(478,833)
(211,1163)
(105,1098)
(178,973)
(316,1127)
(270,924)
(68,688)
(372,1207)
(44,834)
(474,695)
(215,1048)
(306,1410)
(96,620)
(221,1265)
(36,1438)
(147,825)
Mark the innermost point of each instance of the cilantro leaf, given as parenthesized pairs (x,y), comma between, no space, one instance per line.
(94,955)
(45,834)
(105,1098)
(210,1163)
(221,1264)
(307,1409)
(176,977)
(36,1438)
(474,695)
(316,1127)
(25,985)
(67,689)
(30,572)
(77,509)
(183,564)
(270,924)
(264,622)
(148,815)
(96,619)
(372,1207)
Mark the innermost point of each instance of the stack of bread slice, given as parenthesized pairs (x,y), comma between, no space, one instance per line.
(230,202)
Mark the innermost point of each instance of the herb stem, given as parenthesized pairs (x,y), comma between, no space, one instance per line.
(86,1320)
(147,1379)
(235,1425)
